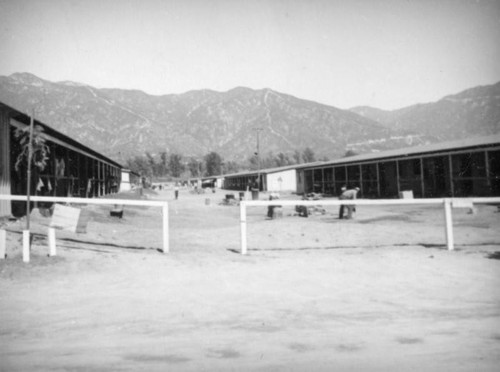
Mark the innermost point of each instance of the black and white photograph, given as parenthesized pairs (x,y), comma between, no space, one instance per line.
(249,185)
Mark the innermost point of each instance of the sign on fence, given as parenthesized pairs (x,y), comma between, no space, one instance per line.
(69,219)
(407,194)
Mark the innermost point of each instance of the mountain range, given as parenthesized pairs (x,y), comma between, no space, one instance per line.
(473,112)
(125,123)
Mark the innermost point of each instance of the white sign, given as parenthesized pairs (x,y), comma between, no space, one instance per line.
(69,219)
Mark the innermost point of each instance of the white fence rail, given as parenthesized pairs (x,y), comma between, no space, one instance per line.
(54,199)
(446,202)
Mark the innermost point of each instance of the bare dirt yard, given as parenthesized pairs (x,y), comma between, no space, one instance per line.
(377,293)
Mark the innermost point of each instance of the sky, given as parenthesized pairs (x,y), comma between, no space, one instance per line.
(381,53)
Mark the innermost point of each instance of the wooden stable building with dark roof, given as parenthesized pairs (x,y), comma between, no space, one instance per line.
(72,169)
(464,168)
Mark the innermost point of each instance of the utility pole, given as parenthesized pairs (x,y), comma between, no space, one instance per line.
(258,130)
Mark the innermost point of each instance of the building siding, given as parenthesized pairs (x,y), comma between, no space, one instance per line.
(282,181)
(472,170)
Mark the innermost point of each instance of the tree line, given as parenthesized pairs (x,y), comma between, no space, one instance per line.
(175,166)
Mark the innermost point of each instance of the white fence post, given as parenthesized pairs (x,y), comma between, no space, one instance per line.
(51,236)
(26,246)
(165,229)
(243,224)
(3,243)
(448,224)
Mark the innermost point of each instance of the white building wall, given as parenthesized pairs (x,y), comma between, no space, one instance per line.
(125,184)
(282,181)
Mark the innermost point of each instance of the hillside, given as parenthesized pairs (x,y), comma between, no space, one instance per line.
(473,112)
(124,123)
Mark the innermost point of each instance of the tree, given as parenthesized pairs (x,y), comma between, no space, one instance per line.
(253,162)
(231,167)
(175,165)
(140,165)
(308,155)
(296,157)
(268,162)
(154,166)
(282,160)
(34,154)
(40,149)
(349,153)
(195,167)
(213,164)
(163,166)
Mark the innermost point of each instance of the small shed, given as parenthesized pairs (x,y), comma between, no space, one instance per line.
(129,178)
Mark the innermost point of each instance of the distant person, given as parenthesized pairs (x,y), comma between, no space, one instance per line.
(270,209)
(176,191)
(302,209)
(350,194)
(342,207)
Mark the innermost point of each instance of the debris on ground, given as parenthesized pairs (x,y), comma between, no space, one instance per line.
(312,196)
(230,200)
(197,191)
(303,211)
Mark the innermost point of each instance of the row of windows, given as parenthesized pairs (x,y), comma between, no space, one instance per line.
(464,174)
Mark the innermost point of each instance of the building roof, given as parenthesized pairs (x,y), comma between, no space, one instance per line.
(435,148)
(25,119)
(442,147)
(273,170)
(127,170)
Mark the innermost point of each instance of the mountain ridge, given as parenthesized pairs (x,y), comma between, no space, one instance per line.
(472,112)
(123,123)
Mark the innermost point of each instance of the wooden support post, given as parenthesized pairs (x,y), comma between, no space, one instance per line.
(243,224)
(361,179)
(165,229)
(51,237)
(422,182)
(448,224)
(3,243)
(26,246)
(378,179)
(450,172)
(398,183)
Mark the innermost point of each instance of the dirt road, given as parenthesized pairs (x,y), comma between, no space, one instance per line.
(378,293)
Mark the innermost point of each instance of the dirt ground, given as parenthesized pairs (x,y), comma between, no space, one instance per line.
(377,293)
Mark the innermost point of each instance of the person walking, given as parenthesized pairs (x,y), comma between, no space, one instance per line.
(176,191)
(350,194)
(342,206)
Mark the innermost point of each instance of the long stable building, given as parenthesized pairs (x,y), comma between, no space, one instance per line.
(462,168)
(72,168)
(270,179)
